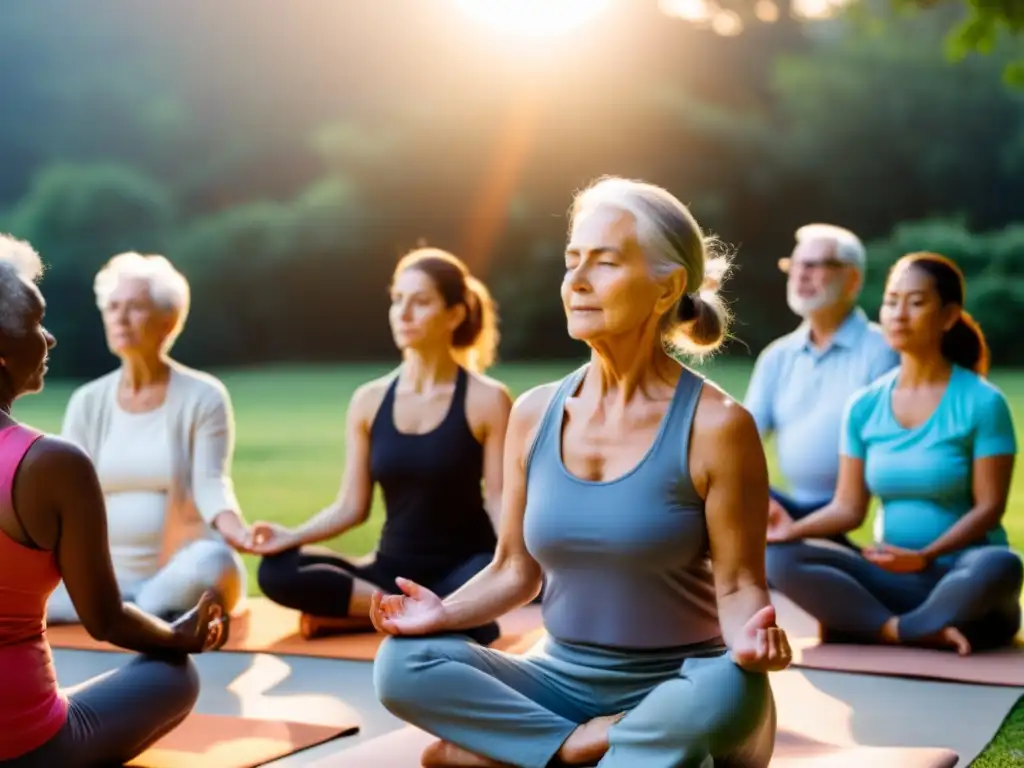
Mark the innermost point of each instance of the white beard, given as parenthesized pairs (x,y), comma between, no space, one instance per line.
(802,306)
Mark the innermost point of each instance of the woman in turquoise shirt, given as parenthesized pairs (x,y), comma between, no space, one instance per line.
(934,441)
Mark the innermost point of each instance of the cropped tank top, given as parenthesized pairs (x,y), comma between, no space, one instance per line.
(432,486)
(32,709)
(626,562)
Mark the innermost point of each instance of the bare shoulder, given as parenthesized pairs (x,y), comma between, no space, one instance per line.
(721,420)
(487,395)
(529,408)
(484,386)
(725,444)
(367,398)
(52,458)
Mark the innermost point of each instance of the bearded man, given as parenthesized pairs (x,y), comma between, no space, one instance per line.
(802,381)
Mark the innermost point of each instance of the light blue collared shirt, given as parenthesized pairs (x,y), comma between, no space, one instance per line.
(799,393)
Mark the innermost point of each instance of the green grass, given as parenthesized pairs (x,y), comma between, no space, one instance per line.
(290,451)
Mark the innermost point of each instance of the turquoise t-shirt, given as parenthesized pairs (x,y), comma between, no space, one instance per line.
(923,476)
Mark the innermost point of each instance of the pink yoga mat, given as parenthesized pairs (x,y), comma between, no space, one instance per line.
(1003,667)
(402,748)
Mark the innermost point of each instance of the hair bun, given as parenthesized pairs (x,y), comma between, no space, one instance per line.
(688,309)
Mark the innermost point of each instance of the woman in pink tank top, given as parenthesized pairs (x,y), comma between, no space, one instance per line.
(53,527)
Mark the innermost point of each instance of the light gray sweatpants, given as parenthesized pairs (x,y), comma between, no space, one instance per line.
(177,587)
(686,709)
(115,717)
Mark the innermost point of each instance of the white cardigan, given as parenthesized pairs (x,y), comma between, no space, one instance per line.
(201,427)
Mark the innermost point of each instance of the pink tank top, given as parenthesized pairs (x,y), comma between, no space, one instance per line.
(32,708)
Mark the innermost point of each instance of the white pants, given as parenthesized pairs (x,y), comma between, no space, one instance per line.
(177,587)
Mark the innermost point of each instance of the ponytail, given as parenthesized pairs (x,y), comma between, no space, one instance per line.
(964,344)
(701,320)
(475,341)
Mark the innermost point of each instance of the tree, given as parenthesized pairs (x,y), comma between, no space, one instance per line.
(878,123)
(979,30)
(992,263)
(77,216)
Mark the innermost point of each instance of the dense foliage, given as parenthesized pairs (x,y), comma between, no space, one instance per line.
(285,159)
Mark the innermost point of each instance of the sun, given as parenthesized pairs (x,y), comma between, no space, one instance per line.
(535,18)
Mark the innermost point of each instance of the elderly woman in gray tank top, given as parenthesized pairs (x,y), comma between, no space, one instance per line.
(640,489)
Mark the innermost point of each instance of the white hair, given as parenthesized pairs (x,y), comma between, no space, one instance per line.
(168,288)
(20,265)
(671,239)
(848,246)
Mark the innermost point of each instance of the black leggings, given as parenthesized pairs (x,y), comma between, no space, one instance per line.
(852,598)
(319,582)
(116,716)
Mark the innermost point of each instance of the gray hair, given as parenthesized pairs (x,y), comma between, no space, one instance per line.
(848,247)
(20,266)
(168,288)
(671,239)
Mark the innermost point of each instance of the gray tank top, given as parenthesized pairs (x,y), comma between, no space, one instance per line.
(626,562)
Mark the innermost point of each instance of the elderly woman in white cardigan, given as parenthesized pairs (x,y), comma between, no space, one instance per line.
(161,436)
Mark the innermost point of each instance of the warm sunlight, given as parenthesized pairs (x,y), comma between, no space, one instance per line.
(536,18)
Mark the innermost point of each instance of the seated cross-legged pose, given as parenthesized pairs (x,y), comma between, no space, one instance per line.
(642,492)
(934,441)
(801,382)
(431,434)
(53,527)
(161,436)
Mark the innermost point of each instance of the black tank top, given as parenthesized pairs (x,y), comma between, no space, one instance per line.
(432,486)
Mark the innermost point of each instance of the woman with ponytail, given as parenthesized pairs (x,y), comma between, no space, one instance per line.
(428,433)
(934,441)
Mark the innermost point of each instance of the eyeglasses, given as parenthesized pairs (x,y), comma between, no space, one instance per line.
(788,265)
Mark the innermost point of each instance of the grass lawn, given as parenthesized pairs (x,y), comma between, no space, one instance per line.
(290,450)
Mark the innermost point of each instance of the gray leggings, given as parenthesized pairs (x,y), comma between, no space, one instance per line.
(978,593)
(116,716)
(686,708)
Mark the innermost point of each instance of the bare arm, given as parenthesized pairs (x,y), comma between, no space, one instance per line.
(735,477)
(513,578)
(490,409)
(351,507)
(847,510)
(992,476)
(993,452)
(58,476)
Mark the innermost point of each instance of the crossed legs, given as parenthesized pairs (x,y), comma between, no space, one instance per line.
(520,710)
(978,595)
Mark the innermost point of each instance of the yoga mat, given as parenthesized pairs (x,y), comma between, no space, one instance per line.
(851,710)
(1003,667)
(269,628)
(402,749)
(218,741)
